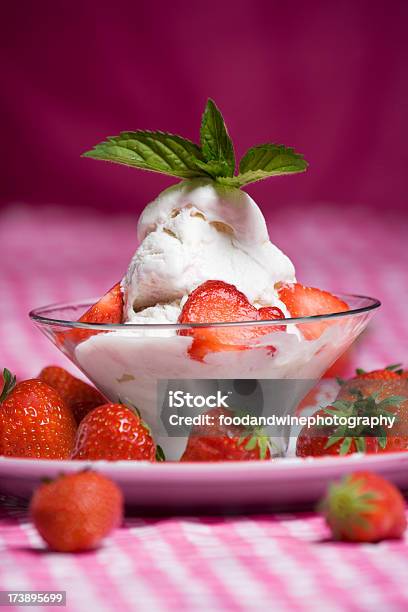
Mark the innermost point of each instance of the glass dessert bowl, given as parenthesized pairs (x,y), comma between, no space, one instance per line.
(268,370)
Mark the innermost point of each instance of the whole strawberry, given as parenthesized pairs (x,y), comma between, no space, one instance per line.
(364,507)
(217,441)
(354,402)
(114,432)
(76,511)
(34,421)
(76,393)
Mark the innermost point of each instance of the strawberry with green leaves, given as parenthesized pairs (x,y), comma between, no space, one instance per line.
(215,302)
(345,439)
(217,441)
(364,507)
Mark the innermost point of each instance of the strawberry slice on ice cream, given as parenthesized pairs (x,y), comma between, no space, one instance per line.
(218,302)
(304,301)
(109,309)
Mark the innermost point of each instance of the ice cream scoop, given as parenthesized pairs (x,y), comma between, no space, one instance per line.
(195,231)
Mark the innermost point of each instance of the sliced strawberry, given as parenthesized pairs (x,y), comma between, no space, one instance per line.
(109,309)
(217,302)
(307,301)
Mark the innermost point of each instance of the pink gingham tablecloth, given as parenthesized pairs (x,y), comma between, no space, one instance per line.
(282,562)
(275,562)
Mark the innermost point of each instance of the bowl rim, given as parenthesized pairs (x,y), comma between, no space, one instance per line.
(37,315)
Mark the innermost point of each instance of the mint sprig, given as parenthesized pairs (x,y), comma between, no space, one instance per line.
(216,145)
(214,158)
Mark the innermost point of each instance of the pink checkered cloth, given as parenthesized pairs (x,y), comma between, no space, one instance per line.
(260,562)
(245,563)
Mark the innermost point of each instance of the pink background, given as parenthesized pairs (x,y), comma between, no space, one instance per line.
(326,77)
(329,78)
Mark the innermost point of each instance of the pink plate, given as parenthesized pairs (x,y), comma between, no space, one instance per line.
(279,484)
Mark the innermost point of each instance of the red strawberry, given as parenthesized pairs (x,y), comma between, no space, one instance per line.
(320,441)
(217,302)
(379,381)
(35,421)
(109,309)
(388,373)
(76,511)
(114,432)
(217,441)
(364,507)
(307,301)
(393,371)
(391,400)
(76,393)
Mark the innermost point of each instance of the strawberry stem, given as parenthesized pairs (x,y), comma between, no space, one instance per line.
(347,505)
(361,406)
(160,456)
(8,384)
(395,366)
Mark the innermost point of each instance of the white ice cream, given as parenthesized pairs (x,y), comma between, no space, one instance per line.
(193,232)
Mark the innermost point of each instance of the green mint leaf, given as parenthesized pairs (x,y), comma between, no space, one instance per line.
(216,145)
(263,161)
(155,151)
